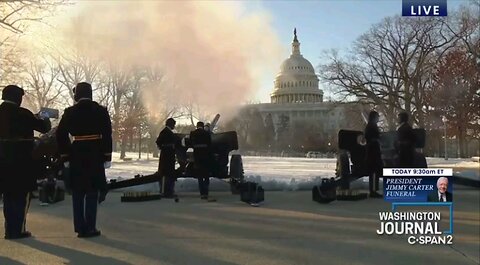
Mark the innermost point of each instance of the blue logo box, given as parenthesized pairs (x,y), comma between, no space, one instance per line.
(423,8)
(415,189)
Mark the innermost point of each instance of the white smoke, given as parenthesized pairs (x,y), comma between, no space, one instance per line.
(212,52)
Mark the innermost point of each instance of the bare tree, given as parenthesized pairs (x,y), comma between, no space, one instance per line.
(465,26)
(74,68)
(134,114)
(15,15)
(457,95)
(114,82)
(11,61)
(251,129)
(241,123)
(194,112)
(42,88)
(160,105)
(390,65)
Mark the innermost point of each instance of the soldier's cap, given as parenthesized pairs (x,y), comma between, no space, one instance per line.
(170,122)
(200,124)
(82,90)
(13,93)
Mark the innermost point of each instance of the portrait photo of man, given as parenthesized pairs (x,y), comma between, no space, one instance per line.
(440,194)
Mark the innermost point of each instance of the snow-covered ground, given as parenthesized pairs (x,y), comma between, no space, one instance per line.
(274,173)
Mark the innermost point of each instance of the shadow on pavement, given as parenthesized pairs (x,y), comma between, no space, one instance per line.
(73,256)
(5,260)
(186,256)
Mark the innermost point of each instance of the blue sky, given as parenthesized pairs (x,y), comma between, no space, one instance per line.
(325,24)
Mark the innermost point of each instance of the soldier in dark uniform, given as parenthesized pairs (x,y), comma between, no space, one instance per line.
(87,155)
(17,166)
(208,128)
(405,142)
(373,155)
(167,141)
(201,141)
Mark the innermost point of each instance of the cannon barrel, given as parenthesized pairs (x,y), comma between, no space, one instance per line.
(221,142)
(137,180)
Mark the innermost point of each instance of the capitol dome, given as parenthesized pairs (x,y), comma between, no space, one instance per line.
(296,82)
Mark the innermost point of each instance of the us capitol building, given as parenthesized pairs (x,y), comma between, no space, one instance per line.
(296,95)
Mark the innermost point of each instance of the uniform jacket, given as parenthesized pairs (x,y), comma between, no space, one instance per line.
(90,127)
(405,135)
(201,141)
(167,141)
(373,153)
(18,170)
(405,145)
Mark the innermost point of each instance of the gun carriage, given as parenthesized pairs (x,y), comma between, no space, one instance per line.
(223,166)
(351,162)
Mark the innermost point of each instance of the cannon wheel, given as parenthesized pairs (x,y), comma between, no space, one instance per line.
(343,169)
(236,173)
(49,193)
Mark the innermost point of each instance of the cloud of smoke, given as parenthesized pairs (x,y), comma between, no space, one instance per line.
(212,53)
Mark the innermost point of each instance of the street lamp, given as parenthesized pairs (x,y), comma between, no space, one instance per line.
(444,119)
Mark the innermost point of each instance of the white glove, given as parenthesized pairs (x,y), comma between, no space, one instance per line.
(66,164)
(107,164)
(43,115)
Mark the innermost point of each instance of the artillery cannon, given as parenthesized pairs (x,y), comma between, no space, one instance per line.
(351,163)
(222,144)
(49,166)
(222,167)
